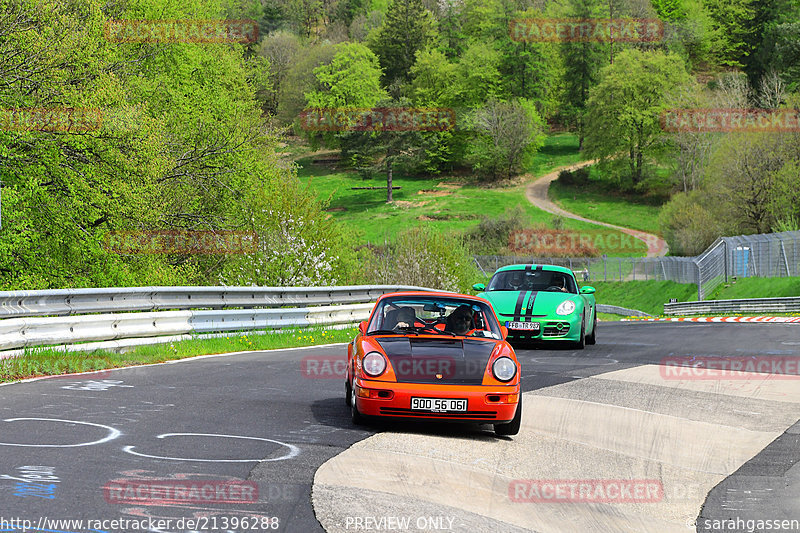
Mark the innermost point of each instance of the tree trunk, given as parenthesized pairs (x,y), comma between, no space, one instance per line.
(388,180)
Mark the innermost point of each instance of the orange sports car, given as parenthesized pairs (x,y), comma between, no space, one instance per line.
(434,355)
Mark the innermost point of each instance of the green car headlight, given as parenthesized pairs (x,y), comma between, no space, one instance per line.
(566,307)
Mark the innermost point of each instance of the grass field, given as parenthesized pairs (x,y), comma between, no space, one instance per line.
(595,201)
(446,203)
(757,288)
(647,296)
(49,362)
(650,296)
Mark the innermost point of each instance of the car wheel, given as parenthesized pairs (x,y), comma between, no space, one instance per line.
(580,344)
(355,416)
(347,393)
(592,339)
(511,428)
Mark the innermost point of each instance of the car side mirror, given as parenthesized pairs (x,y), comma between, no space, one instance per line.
(587,290)
(478,287)
(362,327)
(504,331)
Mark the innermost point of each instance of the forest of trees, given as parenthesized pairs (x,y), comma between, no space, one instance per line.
(190,131)
(507,93)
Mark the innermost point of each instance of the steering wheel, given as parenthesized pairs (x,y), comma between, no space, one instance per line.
(556,287)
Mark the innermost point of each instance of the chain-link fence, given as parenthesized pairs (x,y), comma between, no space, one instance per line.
(765,255)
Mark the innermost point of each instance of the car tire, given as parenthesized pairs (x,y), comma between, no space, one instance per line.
(355,416)
(580,344)
(347,393)
(592,339)
(510,428)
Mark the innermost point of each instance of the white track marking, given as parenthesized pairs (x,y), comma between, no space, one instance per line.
(112,434)
(293,450)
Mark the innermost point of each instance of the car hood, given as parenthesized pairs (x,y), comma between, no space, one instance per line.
(432,360)
(510,305)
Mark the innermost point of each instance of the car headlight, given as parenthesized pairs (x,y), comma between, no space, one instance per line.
(373,364)
(504,369)
(566,307)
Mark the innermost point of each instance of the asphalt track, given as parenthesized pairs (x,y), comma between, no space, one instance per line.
(258,419)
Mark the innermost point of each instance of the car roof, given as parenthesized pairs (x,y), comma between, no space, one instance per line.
(551,268)
(429,294)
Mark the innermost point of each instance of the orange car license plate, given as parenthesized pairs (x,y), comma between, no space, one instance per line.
(439,404)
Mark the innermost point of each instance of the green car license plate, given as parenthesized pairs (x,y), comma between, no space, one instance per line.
(531,326)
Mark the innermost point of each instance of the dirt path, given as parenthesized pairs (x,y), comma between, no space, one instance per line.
(537,194)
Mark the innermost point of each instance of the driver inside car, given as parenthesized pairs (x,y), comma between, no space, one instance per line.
(560,283)
(402,317)
(460,321)
(516,280)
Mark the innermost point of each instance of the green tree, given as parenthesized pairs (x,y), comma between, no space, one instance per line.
(732,30)
(181,146)
(478,75)
(408,27)
(305,14)
(669,10)
(300,79)
(762,31)
(508,135)
(281,49)
(383,149)
(433,79)
(351,79)
(451,32)
(623,111)
(582,63)
(434,84)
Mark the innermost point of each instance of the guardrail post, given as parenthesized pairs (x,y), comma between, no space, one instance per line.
(785,260)
(725,263)
(699,283)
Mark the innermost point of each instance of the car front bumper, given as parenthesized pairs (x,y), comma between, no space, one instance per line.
(485,403)
(551,328)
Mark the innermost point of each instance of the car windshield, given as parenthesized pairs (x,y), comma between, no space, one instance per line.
(533,280)
(434,315)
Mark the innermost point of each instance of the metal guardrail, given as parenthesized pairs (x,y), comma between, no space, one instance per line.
(57,302)
(744,305)
(63,317)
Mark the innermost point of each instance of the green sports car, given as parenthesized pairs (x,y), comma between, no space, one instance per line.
(542,303)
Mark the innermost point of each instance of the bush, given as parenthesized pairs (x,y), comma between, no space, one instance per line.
(422,257)
(578,176)
(687,226)
(492,234)
(508,135)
